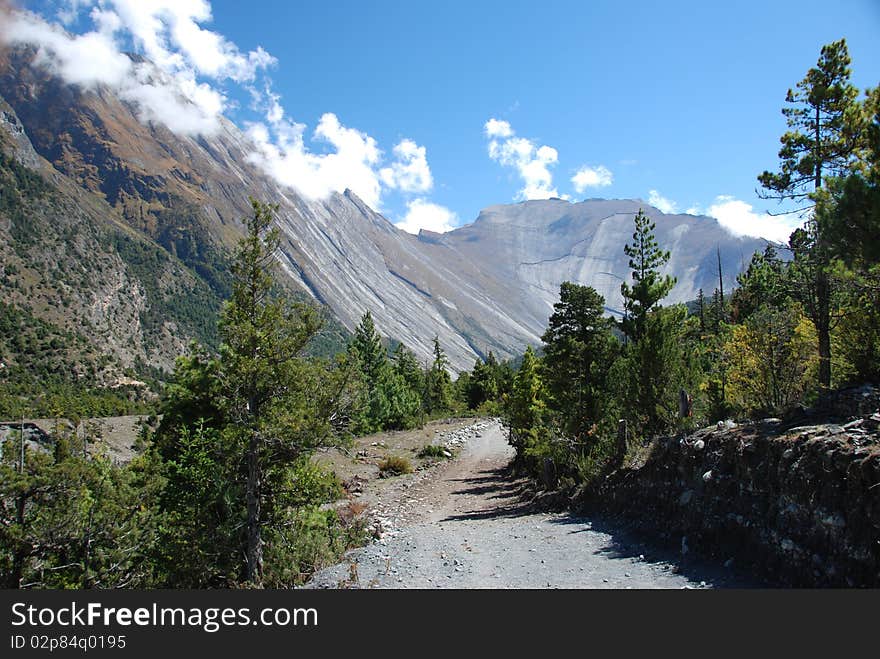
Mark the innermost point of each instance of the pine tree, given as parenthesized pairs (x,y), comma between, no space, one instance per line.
(655,355)
(438,389)
(371,361)
(649,287)
(820,143)
(482,386)
(850,215)
(526,407)
(701,310)
(407,366)
(366,346)
(578,351)
(263,336)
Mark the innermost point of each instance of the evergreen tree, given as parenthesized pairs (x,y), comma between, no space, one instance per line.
(820,142)
(763,283)
(526,407)
(244,421)
(407,366)
(366,347)
(578,351)
(649,287)
(69,521)
(371,363)
(483,386)
(655,355)
(850,215)
(438,383)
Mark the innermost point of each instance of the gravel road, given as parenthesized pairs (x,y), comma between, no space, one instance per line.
(464,525)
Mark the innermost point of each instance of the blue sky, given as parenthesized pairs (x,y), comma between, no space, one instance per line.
(432,111)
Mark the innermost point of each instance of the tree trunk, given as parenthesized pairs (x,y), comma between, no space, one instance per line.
(823,327)
(254,536)
(17,570)
(824,357)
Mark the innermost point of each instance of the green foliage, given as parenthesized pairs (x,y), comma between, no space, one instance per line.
(649,287)
(655,372)
(433,451)
(407,367)
(309,539)
(18,185)
(194,308)
(526,409)
(437,397)
(771,355)
(824,140)
(579,349)
(819,115)
(182,231)
(858,334)
(200,534)
(73,522)
(484,389)
(50,371)
(237,430)
(388,400)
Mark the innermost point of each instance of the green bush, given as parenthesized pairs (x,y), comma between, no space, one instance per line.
(311,539)
(433,451)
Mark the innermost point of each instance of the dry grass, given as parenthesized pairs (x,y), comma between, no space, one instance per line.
(394,465)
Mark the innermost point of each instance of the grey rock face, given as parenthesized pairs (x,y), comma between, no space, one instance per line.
(534,246)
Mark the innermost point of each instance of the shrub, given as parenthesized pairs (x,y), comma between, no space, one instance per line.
(394,466)
(434,451)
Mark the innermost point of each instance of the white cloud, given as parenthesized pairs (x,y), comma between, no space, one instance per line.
(183,105)
(183,87)
(167,31)
(592,177)
(740,219)
(170,34)
(531,162)
(498,128)
(422,214)
(86,60)
(410,172)
(662,203)
(282,153)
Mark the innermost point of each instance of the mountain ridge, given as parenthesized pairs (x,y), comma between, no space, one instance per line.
(488,285)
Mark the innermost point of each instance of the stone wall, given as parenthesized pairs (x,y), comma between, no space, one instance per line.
(796,500)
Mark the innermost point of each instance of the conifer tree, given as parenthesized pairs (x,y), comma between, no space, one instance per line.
(526,406)
(263,336)
(407,366)
(578,351)
(438,383)
(821,141)
(366,346)
(649,287)
(655,352)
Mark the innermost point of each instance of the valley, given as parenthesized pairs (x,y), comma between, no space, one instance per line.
(238,353)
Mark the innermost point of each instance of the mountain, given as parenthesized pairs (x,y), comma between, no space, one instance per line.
(164,211)
(534,246)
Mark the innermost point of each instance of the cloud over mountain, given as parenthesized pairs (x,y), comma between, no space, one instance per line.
(189,82)
(531,162)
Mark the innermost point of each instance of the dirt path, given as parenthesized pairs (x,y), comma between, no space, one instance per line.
(465,525)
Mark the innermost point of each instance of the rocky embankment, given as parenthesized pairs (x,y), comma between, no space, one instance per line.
(797,499)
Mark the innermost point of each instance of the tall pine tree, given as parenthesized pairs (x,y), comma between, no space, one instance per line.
(649,286)
(820,143)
